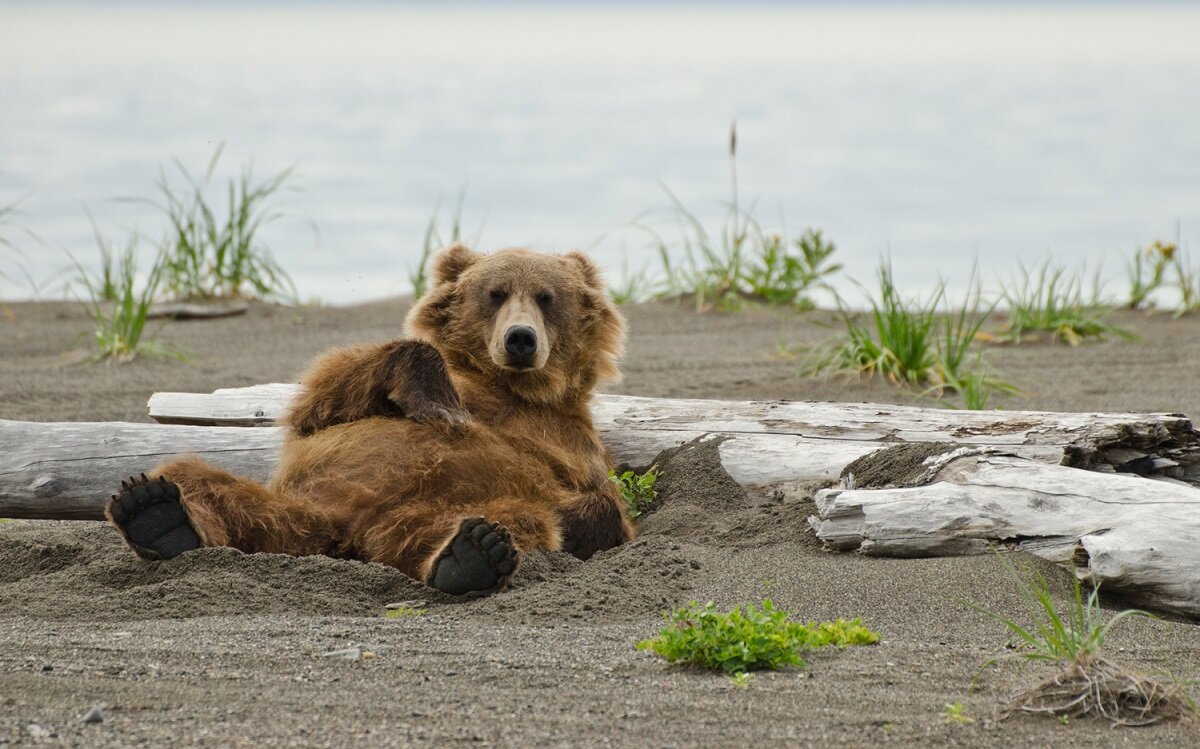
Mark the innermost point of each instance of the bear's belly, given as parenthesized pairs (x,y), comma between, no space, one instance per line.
(379,463)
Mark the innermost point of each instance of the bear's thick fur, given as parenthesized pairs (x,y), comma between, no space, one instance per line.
(446,455)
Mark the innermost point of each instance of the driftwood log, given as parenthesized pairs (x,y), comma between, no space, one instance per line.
(1131,521)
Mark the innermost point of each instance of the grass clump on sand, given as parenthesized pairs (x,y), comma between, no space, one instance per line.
(118,308)
(404,611)
(1148,273)
(955,714)
(418,277)
(208,257)
(1053,300)
(910,342)
(637,490)
(747,639)
(740,263)
(1086,683)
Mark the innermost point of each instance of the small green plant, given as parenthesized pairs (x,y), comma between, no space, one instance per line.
(433,241)
(1187,281)
(913,342)
(1051,634)
(747,639)
(955,713)
(1087,683)
(120,322)
(631,288)
(637,490)
(404,612)
(977,386)
(739,263)
(740,680)
(898,342)
(210,257)
(1053,300)
(105,283)
(782,277)
(1152,260)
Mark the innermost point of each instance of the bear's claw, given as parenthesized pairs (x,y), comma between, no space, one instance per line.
(150,515)
(479,559)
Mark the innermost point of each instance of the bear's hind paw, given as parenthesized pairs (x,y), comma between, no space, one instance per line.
(480,559)
(149,513)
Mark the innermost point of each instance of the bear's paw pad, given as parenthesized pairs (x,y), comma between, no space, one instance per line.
(150,513)
(479,559)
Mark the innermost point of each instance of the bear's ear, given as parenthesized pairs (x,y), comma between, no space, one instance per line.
(591,274)
(449,264)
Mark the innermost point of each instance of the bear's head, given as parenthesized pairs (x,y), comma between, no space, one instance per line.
(539,324)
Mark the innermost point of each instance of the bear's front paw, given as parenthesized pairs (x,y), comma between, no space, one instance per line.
(150,515)
(479,559)
(431,412)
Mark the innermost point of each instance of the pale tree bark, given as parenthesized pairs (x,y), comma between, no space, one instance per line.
(1132,522)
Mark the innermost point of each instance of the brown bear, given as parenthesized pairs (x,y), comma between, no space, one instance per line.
(446,455)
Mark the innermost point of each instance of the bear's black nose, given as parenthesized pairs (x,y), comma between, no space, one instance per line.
(521,344)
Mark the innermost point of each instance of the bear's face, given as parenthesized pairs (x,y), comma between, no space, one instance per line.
(540,323)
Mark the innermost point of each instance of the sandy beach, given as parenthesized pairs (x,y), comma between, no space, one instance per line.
(221,649)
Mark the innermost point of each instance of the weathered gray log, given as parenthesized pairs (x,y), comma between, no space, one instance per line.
(1020,484)
(1139,538)
(772,437)
(66,470)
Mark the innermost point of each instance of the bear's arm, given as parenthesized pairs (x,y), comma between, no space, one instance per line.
(400,379)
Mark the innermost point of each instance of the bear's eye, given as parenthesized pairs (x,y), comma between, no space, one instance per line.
(498,295)
(545,298)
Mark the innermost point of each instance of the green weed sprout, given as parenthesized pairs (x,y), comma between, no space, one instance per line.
(221,257)
(1152,260)
(404,612)
(1051,634)
(747,639)
(913,342)
(1053,300)
(432,242)
(120,320)
(631,288)
(739,263)
(1087,683)
(1187,281)
(637,490)
(955,713)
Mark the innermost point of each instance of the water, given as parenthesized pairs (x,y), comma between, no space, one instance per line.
(939,135)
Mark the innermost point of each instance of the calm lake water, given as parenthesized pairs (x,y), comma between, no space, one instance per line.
(939,135)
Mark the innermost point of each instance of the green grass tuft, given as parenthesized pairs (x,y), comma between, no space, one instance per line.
(1055,301)
(117,307)
(632,287)
(749,639)
(637,490)
(209,256)
(914,342)
(739,263)
(1051,634)
(1145,273)
(418,276)
(955,714)
(404,612)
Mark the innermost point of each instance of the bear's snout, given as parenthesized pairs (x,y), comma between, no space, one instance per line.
(520,343)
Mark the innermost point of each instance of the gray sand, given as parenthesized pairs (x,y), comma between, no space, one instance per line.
(219,648)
